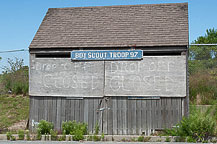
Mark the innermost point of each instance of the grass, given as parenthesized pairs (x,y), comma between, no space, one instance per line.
(13,109)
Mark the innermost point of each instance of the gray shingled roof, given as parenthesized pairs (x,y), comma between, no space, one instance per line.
(114,26)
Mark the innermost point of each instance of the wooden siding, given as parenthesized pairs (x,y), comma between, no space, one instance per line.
(115,115)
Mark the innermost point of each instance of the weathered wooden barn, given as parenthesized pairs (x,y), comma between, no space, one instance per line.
(123,95)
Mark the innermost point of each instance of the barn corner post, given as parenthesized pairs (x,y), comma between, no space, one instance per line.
(115,68)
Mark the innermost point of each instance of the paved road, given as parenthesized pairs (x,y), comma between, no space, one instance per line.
(58,142)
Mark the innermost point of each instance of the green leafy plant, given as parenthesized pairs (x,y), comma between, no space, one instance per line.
(21,135)
(53,135)
(78,135)
(28,135)
(133,139)
(103,136)
(147,139)
(44,127)
(38,135)
(90,138)
(13,138)
(15,77)
(191,140)
(62,138)
(168,139)
(198,126)
(9,135)
(180,139)
(96,129)
(140,138)
(96,138)
(70,138)
(70,127)
(123,140)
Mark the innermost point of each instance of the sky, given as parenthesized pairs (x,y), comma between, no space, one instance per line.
(20,19)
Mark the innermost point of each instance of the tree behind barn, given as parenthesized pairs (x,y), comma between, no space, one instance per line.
(203,69)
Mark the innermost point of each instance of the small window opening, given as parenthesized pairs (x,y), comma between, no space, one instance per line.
(162,54)
(53,55)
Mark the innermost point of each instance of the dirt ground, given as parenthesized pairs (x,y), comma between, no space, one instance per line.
(19,125)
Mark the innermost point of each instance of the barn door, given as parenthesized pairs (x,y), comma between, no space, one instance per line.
(102,112)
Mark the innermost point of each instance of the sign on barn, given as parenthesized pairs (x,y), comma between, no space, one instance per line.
(107,55)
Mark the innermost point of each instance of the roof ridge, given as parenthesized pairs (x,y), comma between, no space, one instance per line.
(118,6)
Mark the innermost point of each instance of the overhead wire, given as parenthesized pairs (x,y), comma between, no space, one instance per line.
(17,50)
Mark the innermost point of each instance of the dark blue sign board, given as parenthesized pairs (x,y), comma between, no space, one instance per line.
(107,55)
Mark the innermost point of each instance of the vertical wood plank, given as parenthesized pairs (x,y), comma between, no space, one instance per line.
(133,118)
(58,113)
(157,114)
(149,119)
(36,107)
(163,112)
(54,111)
(169,112)
(86,105)
(105,116)
(143,116)
(31,112)
(81,110)
(72,108)
(77,110)
(153,113)
(120,120)
(114,106)
(46,108)
(50,111)
(138,116)
(129,115)
(90,118)
(67,109)
(95,114)
(110,116)
(63,111)
(124,112)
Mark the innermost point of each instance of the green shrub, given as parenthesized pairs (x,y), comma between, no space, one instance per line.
(13,138)
(140,138)
(44,127)
(70,138)
(62,138)
(15,77)
(90,138)
(191,140)
(38,136)
(123,140)
(9,135)
(78,135)
(17,88)
(28,136)
(21,135)
(96,129)
(180,139)
(198,126)
(147,139)
(53,135)
(103,136)
(133,139)
(70,127)
(168,139)
(96,138)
